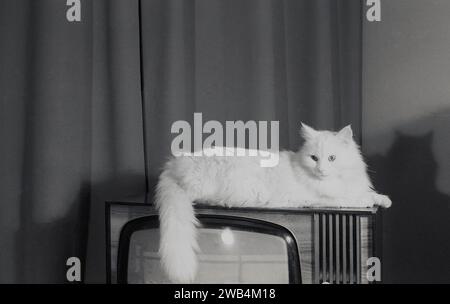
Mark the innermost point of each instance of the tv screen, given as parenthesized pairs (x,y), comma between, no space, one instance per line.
(233,250)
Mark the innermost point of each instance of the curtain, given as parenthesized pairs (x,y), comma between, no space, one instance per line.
(45,150)
(70,131)
(288,61)
(71,126)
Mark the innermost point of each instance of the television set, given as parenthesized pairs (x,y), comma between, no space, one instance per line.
(247,245)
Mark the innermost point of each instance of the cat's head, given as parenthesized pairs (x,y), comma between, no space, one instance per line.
(327,154)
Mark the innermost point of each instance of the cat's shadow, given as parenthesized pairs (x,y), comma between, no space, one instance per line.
(416,229)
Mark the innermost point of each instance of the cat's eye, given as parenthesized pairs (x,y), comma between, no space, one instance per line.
(314,158)
(331,158)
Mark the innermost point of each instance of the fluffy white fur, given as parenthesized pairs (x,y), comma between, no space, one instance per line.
(328,171)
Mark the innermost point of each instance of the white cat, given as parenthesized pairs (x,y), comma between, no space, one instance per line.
(328,171)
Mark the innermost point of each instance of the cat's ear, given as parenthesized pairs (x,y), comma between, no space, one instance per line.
(346,134)
(308,132)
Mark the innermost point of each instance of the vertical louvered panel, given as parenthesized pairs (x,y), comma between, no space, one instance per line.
(358,249)
(344,248)
(351,249)
(323,235)
(330,248)
(316,249)
(337,248)
(338,239)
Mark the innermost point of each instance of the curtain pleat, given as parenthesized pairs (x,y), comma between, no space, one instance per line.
(117,153)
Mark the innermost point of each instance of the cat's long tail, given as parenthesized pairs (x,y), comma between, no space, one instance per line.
(178,242)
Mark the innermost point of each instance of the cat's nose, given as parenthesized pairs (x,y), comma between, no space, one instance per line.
(321,172)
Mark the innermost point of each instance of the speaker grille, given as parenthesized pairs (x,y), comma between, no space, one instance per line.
(337,248)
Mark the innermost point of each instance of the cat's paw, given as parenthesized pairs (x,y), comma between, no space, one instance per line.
(382,200)
(365,202)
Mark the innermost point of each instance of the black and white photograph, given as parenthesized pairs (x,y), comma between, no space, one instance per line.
(232,143)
